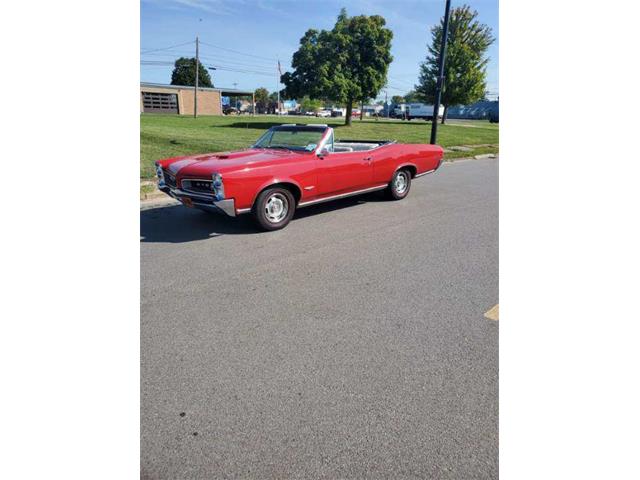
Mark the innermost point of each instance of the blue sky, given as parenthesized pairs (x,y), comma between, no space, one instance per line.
(245,37)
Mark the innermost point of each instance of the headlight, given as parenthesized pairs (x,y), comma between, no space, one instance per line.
(217,186)
(160,175)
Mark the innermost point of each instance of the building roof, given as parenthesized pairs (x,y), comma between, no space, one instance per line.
(223,91)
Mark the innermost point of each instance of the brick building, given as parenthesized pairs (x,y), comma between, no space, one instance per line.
(177,99)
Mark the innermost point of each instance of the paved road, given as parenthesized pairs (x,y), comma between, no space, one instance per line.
(351,344)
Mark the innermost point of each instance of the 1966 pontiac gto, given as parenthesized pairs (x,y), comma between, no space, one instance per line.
(293,166)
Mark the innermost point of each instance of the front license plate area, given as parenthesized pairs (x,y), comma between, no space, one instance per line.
(188,202)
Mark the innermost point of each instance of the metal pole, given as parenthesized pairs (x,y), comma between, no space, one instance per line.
(278,86)
(195,88)
(235,87)
(440,79)
(386,105)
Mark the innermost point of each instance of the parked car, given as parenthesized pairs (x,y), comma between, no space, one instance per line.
(293,166)
(230,110)
(323,113)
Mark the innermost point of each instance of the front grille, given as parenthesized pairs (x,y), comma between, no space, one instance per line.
(169,179)
(195,185)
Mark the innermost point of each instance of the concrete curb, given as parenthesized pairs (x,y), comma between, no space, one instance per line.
(484,156)
(158,202)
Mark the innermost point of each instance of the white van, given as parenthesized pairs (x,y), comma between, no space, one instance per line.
(421,110)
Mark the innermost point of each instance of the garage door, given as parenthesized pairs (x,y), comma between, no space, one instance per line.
(159,102)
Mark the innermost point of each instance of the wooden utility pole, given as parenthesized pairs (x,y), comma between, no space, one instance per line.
(195,88)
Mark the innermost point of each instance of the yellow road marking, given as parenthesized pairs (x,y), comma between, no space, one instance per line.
(492,314)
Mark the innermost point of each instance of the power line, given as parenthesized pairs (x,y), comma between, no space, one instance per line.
(172,54)
(400,81)
(396,88)
(224,61)
(222,58)
(164,63)
(218,57)
(225,69)
(168,48)
(240,53)
(234,62)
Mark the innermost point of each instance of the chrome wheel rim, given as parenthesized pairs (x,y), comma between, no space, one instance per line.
(401,183)
(276,207)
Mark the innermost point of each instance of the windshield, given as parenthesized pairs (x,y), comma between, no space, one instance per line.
(298,139)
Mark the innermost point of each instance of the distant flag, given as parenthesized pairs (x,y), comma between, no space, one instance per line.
(279,68)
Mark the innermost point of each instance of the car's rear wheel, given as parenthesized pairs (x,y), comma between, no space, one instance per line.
(399,185)
(274,208)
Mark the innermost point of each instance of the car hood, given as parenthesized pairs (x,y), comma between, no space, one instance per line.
(228,161)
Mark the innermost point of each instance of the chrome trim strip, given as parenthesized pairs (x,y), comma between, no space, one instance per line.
(342,195)
(424,173)
(228,205)
(324,139)
(225,206)
(204,196)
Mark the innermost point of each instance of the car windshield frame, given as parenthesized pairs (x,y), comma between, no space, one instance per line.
(265,139)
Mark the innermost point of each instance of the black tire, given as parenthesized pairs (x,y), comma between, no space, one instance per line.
(280,214)
(399,187)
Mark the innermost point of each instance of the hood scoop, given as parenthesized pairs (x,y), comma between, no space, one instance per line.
(217,156)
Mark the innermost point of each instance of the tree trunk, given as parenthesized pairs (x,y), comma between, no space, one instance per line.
(361,110)
(347,120)
(444,114)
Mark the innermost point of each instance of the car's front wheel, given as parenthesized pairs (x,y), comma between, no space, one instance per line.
(399,185)
(274,208)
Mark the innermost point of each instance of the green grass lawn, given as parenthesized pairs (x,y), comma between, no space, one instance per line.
(163,136)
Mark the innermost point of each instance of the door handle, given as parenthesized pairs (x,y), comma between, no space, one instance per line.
(367,159)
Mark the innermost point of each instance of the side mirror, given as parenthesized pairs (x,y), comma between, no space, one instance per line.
(323,153)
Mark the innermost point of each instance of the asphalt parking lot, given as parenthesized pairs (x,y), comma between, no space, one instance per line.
(351,344)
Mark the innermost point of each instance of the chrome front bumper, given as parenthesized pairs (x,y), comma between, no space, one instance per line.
(203,202)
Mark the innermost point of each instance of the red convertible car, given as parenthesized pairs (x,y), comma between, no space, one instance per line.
(293,166)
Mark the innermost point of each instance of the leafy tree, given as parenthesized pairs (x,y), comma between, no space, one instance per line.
(346,64)
(465,65)
(310,105)
(412,97)
(397,99)
(262,95)
(184,73)
(262,99)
